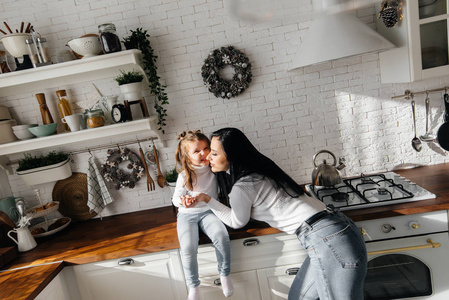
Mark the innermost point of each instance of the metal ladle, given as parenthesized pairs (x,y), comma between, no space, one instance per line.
(416,142)
(428,136)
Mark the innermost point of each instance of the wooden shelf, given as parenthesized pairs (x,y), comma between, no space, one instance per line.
(71,72)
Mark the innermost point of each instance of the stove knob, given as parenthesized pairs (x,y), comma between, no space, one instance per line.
(413,225)
(386,228)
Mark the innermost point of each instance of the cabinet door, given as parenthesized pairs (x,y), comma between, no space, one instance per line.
(275,282)
(246,287)
(55,290)
(155,276)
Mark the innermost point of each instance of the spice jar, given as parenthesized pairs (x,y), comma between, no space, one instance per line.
(95,118)
(64,106)
(110,42)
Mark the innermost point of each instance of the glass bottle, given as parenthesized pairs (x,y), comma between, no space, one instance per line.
(109,39)
(43,50)
(95,118)
(64,106)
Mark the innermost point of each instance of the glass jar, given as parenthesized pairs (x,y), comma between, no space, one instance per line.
(95,118)
(64,106)
(32,52)
(109,39)
(43,50)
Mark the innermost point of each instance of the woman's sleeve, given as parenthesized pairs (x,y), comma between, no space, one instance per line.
(239,214)
(180,190)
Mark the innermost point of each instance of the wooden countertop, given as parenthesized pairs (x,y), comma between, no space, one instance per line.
(155,230)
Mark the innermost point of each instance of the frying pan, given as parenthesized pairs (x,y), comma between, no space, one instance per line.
(443,131)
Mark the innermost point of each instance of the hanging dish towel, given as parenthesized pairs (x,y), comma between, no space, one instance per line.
(99,195)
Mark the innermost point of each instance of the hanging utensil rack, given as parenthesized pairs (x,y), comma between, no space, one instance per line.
(408,93)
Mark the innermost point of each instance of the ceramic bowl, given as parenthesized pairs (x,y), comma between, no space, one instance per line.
(23,134)
(23,126)
(86,46)
(43,130)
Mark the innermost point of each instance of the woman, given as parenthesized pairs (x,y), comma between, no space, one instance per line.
(257,188)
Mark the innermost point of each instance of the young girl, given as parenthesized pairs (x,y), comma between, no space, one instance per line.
(196,177)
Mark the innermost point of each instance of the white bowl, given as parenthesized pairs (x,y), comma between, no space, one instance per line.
(15,43)
(86,46)
(23,126)
(23,134)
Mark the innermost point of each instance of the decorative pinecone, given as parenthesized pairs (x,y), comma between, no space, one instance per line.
(389,16)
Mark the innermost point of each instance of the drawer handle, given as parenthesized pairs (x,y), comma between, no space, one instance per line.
(251,242)
(217,282)
(125,261)
(292,271)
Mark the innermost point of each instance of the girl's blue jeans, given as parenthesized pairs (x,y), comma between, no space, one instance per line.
(337,260)
(188,234)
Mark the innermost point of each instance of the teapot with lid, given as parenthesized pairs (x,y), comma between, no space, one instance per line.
(327,174)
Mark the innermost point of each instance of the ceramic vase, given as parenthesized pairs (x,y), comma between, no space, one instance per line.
(132,91)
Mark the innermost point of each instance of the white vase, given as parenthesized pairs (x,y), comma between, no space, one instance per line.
(132,91)
(48,173)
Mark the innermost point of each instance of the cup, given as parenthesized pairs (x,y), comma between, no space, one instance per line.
(74,121)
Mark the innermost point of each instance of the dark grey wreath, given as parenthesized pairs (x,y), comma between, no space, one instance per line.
(112,173)
(217,60)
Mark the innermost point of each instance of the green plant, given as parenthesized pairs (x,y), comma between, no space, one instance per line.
(139,40)
(171,175)
(30,162)
(128,77)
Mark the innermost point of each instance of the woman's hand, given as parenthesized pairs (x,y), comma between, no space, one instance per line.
(202,197)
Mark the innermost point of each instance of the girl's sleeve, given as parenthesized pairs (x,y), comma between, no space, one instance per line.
(239,214)
(180,190)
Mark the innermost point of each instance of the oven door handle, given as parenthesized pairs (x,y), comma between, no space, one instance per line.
(430,244)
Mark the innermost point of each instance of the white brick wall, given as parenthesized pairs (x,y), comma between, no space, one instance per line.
(340,105)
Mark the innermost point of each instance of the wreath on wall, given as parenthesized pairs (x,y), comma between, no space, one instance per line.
(217,60)
(112,173)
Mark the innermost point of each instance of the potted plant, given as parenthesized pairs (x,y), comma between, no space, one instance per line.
(171,176)
(130,84)
(45,168)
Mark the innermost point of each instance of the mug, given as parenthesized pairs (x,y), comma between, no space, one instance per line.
(8,205)
(74,121)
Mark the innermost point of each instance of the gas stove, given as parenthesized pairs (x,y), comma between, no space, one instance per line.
(370,190)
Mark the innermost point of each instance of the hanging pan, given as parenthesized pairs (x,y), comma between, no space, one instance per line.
(443,131)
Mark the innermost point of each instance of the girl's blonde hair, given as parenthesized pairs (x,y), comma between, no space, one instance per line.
(182,154)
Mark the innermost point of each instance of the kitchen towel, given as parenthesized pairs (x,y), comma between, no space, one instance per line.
(98,193)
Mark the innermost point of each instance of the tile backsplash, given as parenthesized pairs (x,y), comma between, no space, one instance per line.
(340,105)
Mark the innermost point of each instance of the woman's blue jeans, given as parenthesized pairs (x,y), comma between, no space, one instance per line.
(335,268)
(188,234)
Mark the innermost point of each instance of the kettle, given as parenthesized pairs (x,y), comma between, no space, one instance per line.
(327,174)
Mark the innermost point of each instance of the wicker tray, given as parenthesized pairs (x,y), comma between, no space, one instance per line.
(32,212)
(72,195)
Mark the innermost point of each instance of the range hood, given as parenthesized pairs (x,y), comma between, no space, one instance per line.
(333,36)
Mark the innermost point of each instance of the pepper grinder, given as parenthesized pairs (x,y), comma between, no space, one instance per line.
(45,112)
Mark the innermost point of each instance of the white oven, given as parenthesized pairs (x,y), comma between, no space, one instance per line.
(408,255)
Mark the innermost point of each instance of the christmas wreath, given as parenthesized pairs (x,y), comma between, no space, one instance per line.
(112,173)
(217,60)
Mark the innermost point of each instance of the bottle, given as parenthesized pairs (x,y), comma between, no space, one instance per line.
(95,118)
(110,42)
(64,106)
(45,112)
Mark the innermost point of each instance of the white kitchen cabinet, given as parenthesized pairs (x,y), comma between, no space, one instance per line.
(258,267)
(149,276)
(62,287)
(422,43)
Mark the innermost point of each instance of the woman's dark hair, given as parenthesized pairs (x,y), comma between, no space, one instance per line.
(244,159)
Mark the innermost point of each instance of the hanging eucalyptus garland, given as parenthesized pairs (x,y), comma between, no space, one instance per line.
(217,60)
(112,173)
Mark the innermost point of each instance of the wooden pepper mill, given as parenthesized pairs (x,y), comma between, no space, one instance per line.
(45,112)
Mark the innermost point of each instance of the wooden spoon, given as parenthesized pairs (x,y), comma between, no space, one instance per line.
(6,219)
(160,178)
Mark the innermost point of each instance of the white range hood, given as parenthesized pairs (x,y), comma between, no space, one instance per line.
(333,36)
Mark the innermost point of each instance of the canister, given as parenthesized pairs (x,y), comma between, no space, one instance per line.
(109,38)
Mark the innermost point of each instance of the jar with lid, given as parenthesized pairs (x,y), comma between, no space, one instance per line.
(109,39)
(43,50)
(95,118)
(64,106)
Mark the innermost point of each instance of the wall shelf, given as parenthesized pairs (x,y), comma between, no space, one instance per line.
(71,72)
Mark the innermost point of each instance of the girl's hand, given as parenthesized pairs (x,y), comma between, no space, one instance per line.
(202,197)
(188,201)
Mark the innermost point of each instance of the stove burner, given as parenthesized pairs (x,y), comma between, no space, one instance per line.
(366,180)
(382,191)
(340,197)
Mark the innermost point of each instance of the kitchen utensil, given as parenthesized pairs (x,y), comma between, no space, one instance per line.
(150,182)
(428,136)
(326,174)
(160,178)
(24,240)
(416,142)
(22,132)
(7,27)
(87,46)
(45,112)
(43,130)
(73,121)
(149,156)
(6,219)
(443,131)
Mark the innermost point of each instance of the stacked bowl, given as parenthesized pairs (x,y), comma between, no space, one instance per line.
(22,132)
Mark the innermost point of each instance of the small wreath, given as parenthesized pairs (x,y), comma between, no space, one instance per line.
(112,173)
(217,60)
